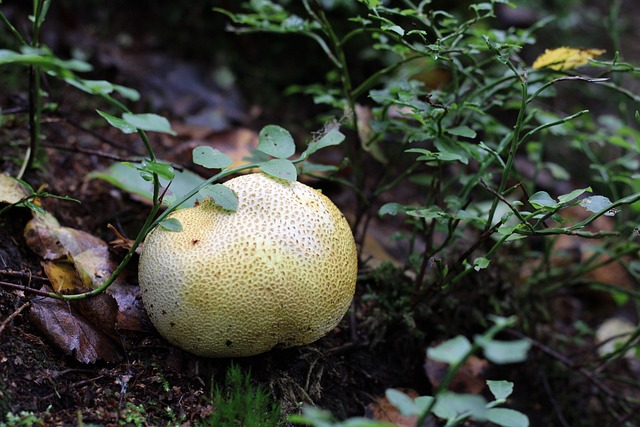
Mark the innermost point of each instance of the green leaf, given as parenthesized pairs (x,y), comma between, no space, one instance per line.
(392,209)
(480,263)
(402,401)
(276,141)
(507,417)
(503,352)
(500,389)
(451,405)
(280,168)
(333,137)
(221,195)
(103,87)
(451,351)
(542,199)
(128,179)
(464,131)
(127,92)
(565,198)
(163,170)
(149,122)
(598,203)
(118,123)
(171,224)
(43,58)
(210,157)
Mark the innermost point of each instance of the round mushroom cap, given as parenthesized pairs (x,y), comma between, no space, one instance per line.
(280,271)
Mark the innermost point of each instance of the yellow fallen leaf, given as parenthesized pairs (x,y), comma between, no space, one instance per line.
(565,58)
(11,190)
(62,275)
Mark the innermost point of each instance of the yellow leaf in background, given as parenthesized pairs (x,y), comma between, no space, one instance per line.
(565,58)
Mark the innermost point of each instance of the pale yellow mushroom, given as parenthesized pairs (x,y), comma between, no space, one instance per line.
(278,272)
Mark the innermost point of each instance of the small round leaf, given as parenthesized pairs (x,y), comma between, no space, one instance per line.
(221,195)
(171,224)
(276,141)
(210,157)
(280,168)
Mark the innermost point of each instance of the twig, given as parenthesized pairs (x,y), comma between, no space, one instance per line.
(554,403)
(23,275)
(13,315)
(25,289)
(98,153)
(610,394)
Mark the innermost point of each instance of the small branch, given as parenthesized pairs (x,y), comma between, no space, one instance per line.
(593,379)
(28,289)
(22,275)
(91,152)
(13,316)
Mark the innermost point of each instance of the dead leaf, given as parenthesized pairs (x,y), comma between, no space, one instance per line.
(567,250)
(118,311)
(470,378)
(71,332)
(47,238)
(62,275)
(382,410)
(565,58)
(77,261)
(94,265)
(11,190)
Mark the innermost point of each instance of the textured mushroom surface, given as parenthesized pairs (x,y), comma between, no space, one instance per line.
(278,272)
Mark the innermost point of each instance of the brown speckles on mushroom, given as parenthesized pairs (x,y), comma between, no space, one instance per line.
(281,269)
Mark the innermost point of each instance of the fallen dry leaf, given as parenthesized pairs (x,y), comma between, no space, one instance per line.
(470,378)
(50,240)
(382,410)
(62,275)
(11,190)
(76,261)
(63,325)
(567,250)
(117,311)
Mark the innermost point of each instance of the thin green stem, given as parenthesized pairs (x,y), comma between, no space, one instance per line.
(13,29)
(455,367)
(515,142)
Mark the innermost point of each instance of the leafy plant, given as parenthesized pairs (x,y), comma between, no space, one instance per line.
(239,403)
(456,407)
(453,115)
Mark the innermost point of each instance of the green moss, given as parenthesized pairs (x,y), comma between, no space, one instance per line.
(239,403)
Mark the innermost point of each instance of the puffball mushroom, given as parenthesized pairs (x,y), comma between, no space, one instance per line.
(280,271)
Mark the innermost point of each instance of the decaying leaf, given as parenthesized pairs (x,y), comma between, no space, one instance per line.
(47,238)
(470,378)
(565,58)
(61,323)
(11,190)
(62,275)
(567,250)
(90,329)
(117,312)
(382,410)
